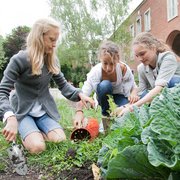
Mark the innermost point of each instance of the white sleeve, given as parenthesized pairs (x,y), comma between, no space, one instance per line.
(93,79)
(6,115)
(87,88)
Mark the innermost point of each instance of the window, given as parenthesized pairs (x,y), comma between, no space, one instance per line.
(138,25)
(132,30)
(147,20)
(172,9)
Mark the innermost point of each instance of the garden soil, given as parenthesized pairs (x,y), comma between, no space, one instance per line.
(83,173)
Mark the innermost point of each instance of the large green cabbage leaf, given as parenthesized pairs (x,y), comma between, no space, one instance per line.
(132,163)
(148,138)
(163,134)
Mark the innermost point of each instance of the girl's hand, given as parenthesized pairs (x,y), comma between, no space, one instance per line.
(85,100)
(117,111)
(11,128)
(79,116)
(122,110)
(133,98)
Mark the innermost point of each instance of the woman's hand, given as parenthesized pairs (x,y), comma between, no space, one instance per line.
(86,99)
(78,119)
(11,128)
(133,98)
(122,110)
(117,111)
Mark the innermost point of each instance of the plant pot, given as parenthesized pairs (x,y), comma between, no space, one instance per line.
(88,131)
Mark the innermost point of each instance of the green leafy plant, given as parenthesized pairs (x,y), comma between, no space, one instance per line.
(112,105)
(3,152)
(147,141)
(64,155)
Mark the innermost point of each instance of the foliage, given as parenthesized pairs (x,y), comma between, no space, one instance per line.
(116,13)
(59,156)
(80,30)
(64,155)
(163,135)
(123,38)
(14,42)
(143,144)
(76,74)
(112,105)
(2,58)
(148,138)
(3,153)
(85,24)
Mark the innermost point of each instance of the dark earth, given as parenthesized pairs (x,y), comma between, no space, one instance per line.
(37,173)
(34,173)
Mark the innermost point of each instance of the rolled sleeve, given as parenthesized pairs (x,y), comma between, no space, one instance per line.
(67,90)
(167,70)
(6,115)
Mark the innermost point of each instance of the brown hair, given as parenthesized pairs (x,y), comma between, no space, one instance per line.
(109,48)
(150,41)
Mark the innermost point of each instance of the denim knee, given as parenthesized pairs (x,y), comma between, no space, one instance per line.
(174,80)
(104,87)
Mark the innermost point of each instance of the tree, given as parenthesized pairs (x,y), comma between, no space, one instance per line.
(80,29)
(2,59)
(123,38)
(13,43)
(85,24)
(114,14)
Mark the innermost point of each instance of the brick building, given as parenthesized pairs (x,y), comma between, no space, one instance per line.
(161,18)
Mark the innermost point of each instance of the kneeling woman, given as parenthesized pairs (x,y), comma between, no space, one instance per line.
(159,68)
(110,77)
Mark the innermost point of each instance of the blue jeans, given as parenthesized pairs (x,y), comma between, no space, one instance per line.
(174,80)
(104,88)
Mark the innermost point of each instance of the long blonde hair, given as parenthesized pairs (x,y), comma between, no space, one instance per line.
(35,46)
(150,41)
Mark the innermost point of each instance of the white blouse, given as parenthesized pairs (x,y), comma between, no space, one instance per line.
(123,85)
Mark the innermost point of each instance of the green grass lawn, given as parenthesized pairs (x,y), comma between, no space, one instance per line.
(56,158)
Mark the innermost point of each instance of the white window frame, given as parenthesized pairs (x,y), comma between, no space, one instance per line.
(138,25)
(132,30)
(172,9)
(147,20)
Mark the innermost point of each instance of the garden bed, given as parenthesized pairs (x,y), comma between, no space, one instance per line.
(83,173)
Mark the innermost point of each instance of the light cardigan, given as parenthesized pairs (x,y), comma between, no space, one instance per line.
(123,85)
(166,67)
(30,89)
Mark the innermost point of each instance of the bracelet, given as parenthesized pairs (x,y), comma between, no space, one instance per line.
(79,110)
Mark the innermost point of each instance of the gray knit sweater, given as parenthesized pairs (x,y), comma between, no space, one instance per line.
(31,88)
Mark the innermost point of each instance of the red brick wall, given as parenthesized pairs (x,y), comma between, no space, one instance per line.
(160,26)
